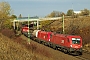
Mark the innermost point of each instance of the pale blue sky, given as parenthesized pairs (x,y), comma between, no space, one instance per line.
(42,8)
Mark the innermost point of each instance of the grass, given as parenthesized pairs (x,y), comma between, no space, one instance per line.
(16,48)
(10,50)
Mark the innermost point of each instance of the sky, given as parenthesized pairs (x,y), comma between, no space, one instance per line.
(42,8)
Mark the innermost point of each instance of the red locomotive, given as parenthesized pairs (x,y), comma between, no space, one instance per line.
(66,43)
(24,29)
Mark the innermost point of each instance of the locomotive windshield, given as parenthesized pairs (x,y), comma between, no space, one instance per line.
(76,40)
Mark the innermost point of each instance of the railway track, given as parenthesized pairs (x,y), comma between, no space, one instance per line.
(85,56)
(82,58)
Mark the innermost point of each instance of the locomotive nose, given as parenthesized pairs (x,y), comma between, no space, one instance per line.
(76,46)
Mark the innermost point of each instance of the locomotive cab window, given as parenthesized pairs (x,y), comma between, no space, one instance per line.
(75,40)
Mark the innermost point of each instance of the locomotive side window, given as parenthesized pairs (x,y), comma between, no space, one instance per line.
(75,40)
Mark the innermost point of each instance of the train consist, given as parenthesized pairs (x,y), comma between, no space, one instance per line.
(70,44)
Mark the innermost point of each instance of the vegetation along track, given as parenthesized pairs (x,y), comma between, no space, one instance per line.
(84,56)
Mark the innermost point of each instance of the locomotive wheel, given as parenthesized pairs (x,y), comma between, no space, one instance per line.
(39,41)
(77,53)
(69,53)
(49,44)
(65,51)
(62,49)
(43,42)
(54,46)
(59,48)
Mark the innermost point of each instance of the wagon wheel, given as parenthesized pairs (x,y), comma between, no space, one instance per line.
(54,46)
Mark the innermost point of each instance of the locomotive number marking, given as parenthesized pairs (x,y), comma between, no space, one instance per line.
(49,39)
(44,37)
(62,41)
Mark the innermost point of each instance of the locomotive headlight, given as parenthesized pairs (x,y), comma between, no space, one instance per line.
(70,45)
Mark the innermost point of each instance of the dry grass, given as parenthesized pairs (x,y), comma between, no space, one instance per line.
(40,51)
(17,48)
(87,47)
(10,50)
